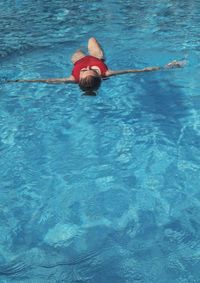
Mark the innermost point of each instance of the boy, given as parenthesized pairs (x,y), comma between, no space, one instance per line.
(89,70)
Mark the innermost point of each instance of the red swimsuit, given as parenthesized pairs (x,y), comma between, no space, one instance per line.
(88,61)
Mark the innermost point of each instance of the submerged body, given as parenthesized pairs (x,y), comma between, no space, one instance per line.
(89,63)
(89,70)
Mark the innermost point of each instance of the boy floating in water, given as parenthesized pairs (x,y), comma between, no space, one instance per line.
(89,70)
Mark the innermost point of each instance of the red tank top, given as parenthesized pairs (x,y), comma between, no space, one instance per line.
(88,61)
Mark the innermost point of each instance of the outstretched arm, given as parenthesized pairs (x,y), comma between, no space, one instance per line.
(173,64)
(49,81)
(110,73)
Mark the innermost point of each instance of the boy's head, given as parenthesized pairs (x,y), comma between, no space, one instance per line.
(89,81)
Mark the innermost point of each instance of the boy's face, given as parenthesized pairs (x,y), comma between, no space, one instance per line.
(89,71)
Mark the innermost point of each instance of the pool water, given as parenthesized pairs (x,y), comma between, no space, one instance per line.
(100,189)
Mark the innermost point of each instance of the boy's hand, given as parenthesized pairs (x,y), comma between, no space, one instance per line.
(175,64)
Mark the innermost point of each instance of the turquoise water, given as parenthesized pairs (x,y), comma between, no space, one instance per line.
(100,189)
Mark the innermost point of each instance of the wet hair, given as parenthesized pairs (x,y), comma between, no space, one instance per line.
(90,84)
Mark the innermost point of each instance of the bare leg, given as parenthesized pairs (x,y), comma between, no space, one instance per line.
(95,49)
(77,56)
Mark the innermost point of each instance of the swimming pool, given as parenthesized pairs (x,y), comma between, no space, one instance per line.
(106,188)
